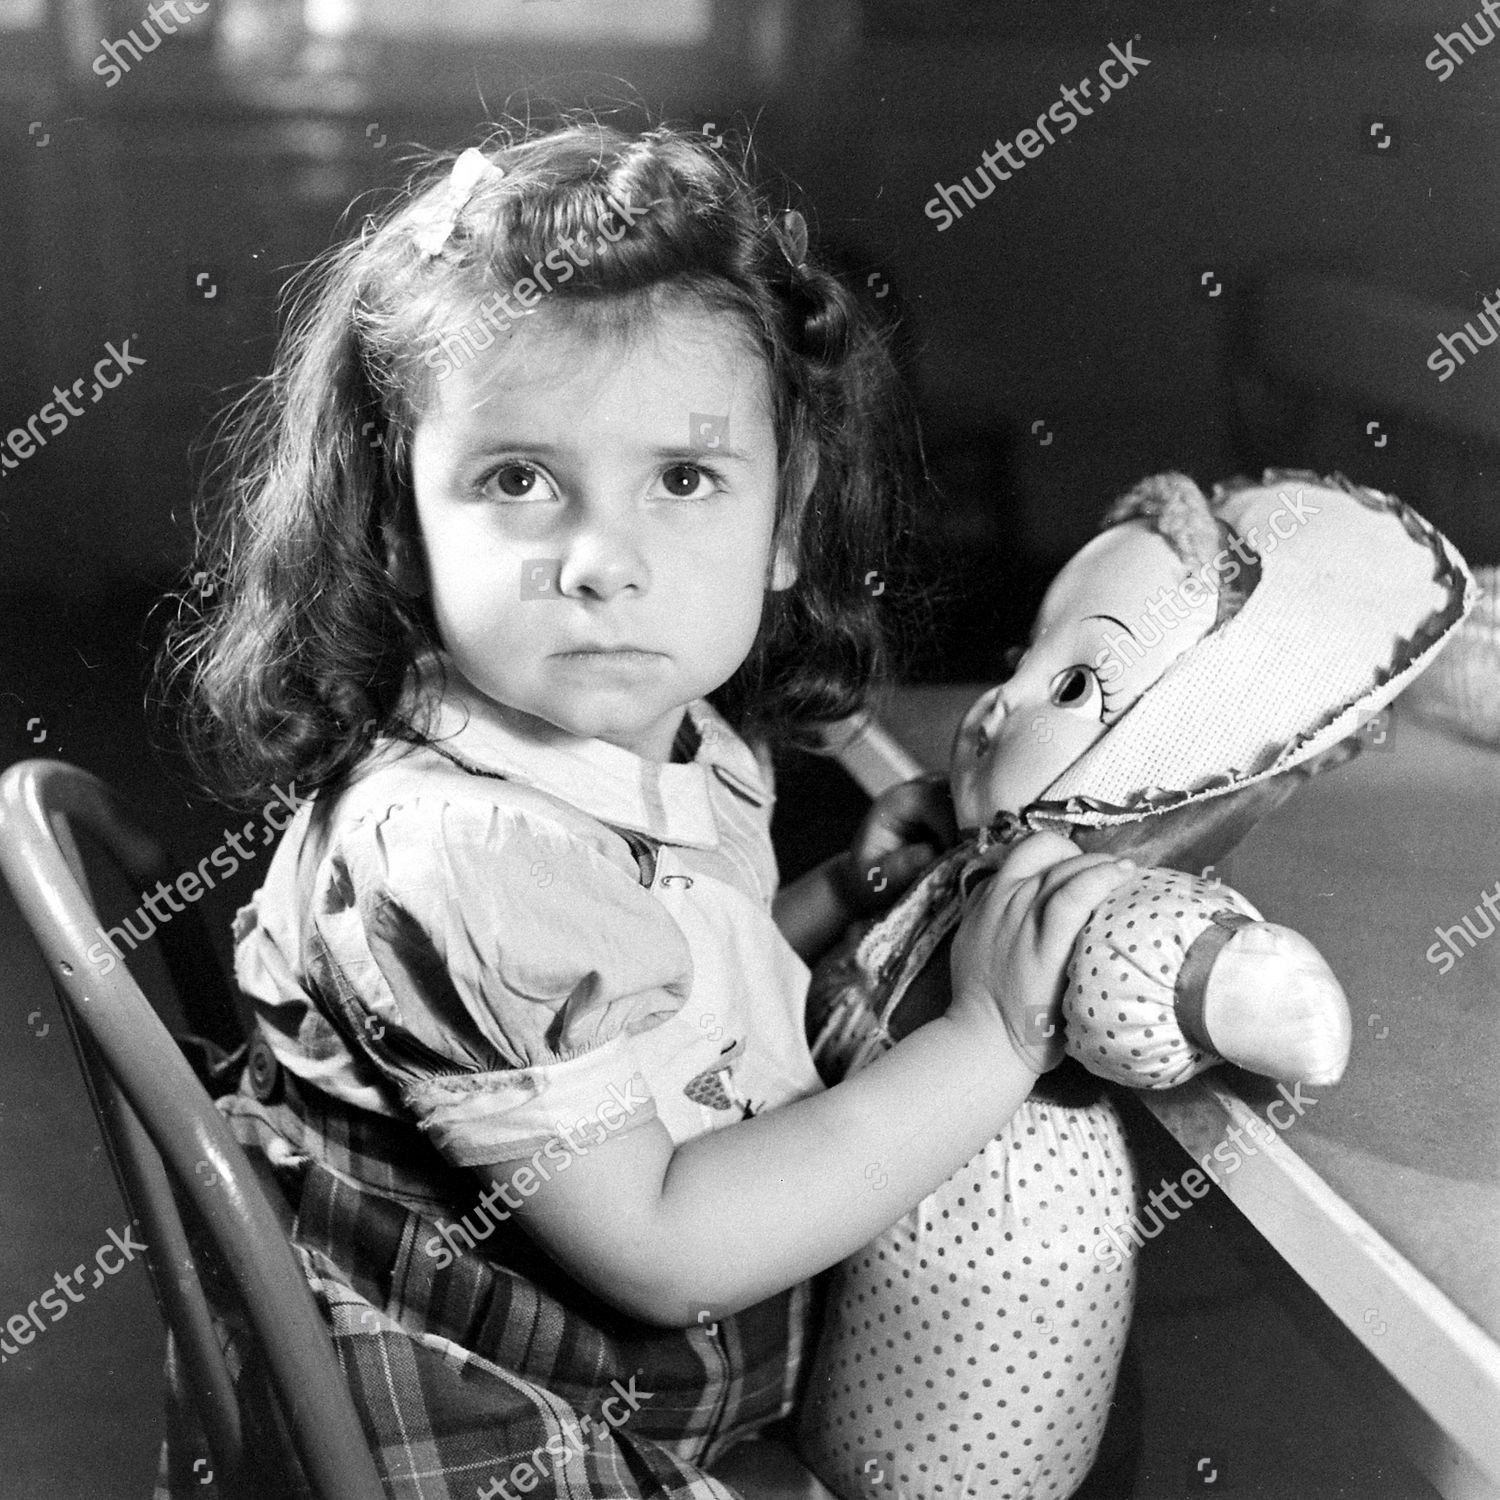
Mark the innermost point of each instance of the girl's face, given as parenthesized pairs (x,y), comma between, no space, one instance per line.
(1113,621)
(596,519)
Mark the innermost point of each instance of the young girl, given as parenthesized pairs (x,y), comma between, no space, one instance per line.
(558,512)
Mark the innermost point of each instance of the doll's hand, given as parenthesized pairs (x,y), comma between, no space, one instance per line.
(1010,953)
(906,829)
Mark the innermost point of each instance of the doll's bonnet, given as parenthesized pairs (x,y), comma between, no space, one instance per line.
(1354,596)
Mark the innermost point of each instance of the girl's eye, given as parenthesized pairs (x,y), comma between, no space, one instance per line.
(683,481)
(517,481)
(1077,688)
(1009,661)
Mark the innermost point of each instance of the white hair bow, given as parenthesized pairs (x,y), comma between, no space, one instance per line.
(434,227)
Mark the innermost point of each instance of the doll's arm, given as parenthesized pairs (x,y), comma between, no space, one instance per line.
(1247,991)
(1172,974)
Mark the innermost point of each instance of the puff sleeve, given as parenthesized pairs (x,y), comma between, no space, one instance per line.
(494,966)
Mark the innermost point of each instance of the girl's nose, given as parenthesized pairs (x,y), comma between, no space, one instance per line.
(603,559)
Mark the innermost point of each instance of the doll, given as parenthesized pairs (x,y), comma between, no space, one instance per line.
(1189,667)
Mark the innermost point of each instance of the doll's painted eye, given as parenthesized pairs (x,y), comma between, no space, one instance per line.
(1076,688)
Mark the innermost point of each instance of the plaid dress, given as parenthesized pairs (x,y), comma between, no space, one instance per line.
(476,942)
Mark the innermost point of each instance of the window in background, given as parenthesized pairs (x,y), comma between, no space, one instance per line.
(663,23)
(348,56)
(22,15)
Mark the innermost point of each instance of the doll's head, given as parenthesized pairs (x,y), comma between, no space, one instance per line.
(1201,645)
(1162,573)
(321,596)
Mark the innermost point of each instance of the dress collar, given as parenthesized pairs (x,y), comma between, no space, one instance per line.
(667,801)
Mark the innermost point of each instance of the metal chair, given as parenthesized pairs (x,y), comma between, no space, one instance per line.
(163,1133)
(869,753)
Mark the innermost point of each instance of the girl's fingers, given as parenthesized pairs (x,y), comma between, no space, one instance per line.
(934,800)
(921,807)
(1032,856)
(1071,891)
(1059,896)
(1067,872)
(1020,868)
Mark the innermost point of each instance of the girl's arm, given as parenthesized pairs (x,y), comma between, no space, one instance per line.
(906,828)
(813,910)
(679,1236)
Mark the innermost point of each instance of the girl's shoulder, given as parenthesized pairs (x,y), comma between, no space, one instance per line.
(422,792)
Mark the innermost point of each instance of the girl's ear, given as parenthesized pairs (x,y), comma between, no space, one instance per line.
(802,478)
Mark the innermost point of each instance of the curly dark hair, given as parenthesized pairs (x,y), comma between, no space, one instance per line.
(294,658)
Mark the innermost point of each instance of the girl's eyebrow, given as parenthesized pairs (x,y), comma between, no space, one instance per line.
(687,453)
(691,454)
(490,449)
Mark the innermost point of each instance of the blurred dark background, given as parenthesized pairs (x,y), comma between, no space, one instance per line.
(1244,258)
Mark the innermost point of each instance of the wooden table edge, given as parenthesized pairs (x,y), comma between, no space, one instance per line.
(1445,1361)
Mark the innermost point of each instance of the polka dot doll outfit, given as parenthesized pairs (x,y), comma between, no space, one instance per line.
(489,949)
(1137,972)
(972,1348)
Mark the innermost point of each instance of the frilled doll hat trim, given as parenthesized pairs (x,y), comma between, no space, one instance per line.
(1356,594)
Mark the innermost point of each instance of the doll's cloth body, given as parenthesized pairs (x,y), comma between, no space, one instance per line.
(973,1347)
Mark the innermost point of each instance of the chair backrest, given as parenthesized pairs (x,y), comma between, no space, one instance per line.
(162,1129)
(870,754)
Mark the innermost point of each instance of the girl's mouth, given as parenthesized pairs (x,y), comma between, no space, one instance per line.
(616,656)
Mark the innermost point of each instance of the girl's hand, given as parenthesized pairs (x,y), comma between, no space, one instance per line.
(907,827)
(1010,953)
